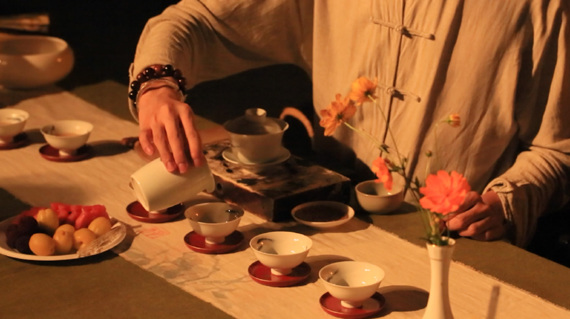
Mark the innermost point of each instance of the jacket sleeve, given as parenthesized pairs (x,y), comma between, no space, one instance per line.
(538,182)
(211,39)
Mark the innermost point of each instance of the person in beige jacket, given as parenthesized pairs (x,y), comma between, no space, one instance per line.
(503,66)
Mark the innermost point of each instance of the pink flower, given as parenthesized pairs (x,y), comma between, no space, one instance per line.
(444,192)
(339,111)
(380,168)
(362,90)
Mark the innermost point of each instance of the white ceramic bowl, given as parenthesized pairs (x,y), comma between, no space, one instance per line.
(352,282)
(256,138)
(322,214)
(214,220)
(12,122)
(67,135)
(281,250)
(374,198)
(30,61)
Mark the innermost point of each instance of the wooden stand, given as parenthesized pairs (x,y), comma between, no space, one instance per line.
(272,191)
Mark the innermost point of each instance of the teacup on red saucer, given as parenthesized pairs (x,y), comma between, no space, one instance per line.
(214,227)
(137,212)
(263,275)
(198,243)
(53,154)
(369,307)
(67,136)
(17,142)
(281,251)
(351,282)
(12,122)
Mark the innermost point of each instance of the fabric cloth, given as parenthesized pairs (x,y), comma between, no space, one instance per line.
(501,65)
(222,280)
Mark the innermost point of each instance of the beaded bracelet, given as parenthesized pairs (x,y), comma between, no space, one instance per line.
(155,71)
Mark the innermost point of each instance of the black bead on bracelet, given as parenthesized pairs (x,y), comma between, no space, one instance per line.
(156,71)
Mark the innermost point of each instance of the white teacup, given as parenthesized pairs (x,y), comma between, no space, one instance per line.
(256,138)
(12,122)
(67,135)
(158,189)
(215,221)
(352,282)
(281,250)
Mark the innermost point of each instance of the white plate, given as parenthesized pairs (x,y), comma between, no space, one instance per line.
(322,206)
(231,157)
(7,251)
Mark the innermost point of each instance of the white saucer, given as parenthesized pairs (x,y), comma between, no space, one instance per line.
(231,157)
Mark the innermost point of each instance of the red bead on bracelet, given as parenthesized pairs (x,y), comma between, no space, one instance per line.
(156,71)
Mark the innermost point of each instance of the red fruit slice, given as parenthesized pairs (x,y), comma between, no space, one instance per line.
(88,214)
(62,210)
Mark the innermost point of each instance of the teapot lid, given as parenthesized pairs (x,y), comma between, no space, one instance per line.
(255,122)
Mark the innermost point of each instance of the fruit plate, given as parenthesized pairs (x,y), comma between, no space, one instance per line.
(118,232)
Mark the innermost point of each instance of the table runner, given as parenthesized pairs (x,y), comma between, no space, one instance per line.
(223,279)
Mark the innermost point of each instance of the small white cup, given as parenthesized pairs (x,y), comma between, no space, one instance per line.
(215,221)
(352,282)
(12,122)
(67,135)
(281,250)
(158,189)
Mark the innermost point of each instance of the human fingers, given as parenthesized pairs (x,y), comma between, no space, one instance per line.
(145,139)
(488,228)
(467,213)
(176,139)
(192,137)
(160,139)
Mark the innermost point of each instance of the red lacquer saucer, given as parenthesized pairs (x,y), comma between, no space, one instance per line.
(371,306)
(137,212)
(198,243)
(18,141)
(262,274)
(52,154)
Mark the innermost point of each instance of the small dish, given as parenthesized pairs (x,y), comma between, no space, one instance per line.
(230,156)
(137,212)
(370,307)
(53,154)
(18,141)
(197,243)
(322,214)
(262,274)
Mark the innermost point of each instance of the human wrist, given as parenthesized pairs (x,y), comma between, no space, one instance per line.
(153,77)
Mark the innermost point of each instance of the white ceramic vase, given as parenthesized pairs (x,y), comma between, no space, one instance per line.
(438,306)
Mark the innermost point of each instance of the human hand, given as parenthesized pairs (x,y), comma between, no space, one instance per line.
(167,125)
(480,217)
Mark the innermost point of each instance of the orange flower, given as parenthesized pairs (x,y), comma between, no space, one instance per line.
(444,192)
(380,168)
(362,90)
(339,111)
(454,120)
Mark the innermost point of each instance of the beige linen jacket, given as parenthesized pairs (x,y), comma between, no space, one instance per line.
(503,66)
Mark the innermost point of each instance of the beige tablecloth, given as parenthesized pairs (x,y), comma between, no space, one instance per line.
(223,280)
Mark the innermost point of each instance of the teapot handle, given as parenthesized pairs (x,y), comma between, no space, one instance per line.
(296,113)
